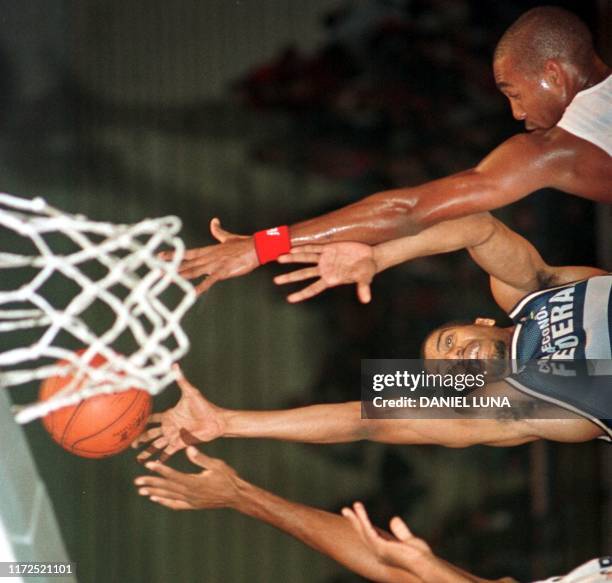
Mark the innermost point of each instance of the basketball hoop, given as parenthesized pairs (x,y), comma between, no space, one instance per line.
(108,267)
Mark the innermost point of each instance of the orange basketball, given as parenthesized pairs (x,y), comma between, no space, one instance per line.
(100,426)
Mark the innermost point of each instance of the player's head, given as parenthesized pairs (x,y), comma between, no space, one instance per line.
(481,341)
(541,62)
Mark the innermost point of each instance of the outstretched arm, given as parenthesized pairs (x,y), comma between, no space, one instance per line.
(519,166)
(194,419)
(342,422)
(219,486)
(350,262)
(504,176)
(351,540)
(515,266)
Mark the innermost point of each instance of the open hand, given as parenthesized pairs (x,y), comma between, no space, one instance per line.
(335,264)
(233,256)
(192,420)
(216,486)
(405,551)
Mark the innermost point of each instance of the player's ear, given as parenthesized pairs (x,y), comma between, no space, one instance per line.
(484,322)
(553,73)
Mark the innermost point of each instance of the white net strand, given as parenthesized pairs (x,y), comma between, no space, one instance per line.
(128,256)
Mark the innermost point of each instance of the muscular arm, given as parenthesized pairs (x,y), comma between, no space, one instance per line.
(514,264)
(519,166)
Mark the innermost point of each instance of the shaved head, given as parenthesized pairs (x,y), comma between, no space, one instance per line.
(543,33)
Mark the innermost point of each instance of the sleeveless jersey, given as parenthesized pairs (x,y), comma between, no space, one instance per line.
(561,348)
(589,115)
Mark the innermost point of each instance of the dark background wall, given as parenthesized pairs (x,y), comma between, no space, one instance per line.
(265,113)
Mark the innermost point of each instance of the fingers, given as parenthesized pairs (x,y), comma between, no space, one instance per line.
(165,471)
(310,250)
(352,517)
(298,275)
(314,289)
(307,249)
(218,233)
(161,493)
(299,257)
(400,529)
(150,483)
(156,447)
(195,253)
(200,459)
(184,385)
(193,256)
(144,456)
(206,284)
(195,269)
(170,503)
(368,529)
(147,436)
(192,269)
(189,255)
(364,293)
(165,455)
(358,526)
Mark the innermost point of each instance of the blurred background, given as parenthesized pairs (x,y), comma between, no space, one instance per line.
(265,112)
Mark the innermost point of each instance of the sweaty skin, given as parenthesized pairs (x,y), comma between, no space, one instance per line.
(546,156)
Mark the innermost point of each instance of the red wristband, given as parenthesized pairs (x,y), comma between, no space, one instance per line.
(272,243)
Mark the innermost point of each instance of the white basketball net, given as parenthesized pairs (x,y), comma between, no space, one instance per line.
(125,257)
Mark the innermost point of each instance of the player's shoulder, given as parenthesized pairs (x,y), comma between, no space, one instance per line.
(532,141)
(573,164)
(568,144)
(552,146)
(554,139)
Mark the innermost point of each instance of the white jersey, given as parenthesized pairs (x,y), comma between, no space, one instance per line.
(589,115)
(595,571)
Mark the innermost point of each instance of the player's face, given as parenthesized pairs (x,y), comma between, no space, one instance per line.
(538,100)
(476,341)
